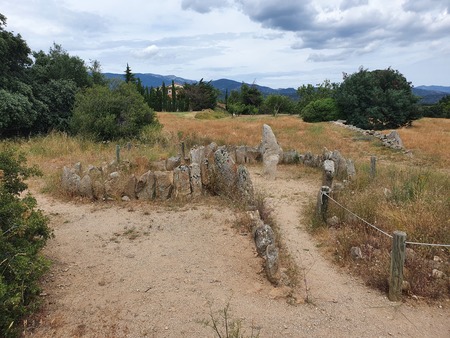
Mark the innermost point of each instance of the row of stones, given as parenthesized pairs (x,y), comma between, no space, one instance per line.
(391,140)
(210,169)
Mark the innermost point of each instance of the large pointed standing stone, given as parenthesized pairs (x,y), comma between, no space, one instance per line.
(271,152)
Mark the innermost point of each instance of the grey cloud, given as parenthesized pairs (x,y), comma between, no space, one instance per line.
(347,4)
(203,6)
(288,16)
(425,6)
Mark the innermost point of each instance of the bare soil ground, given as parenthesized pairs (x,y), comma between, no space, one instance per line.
(152,270)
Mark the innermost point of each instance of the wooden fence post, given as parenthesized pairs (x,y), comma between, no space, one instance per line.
(117,153)
(373,167)
(322,202)
(183,153)
(397,262)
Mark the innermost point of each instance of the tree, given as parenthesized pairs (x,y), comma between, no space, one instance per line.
(278,104)
(201,95)
(129,76)
(308,93)
(378,99)
(440,109)
(23,232)
(105,113)
(95,70)
(320,110)
(56,77)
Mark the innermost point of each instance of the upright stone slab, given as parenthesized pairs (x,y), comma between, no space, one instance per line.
(207,165)
(244,184)
(86,189)
(225,172)
(181,182)
(272,264)
(129,189)
(164,184)
(173,162)
(340,164)
(70,181)
(196,179)
(394,139)
(271,152)
(328,173)
(197,154)
(145,186)
(241,155)
(264,236)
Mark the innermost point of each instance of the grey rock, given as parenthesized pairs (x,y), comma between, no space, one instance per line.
(264,236)
(145,186)
(181,182)
(225,172)
(241,155)
(98,189)
(328,173)
(125,198)
(253,155)
(195,179)
(77,168)
(271,152)
(70,181)
(356,252)
(197,154)
(129,188)
(394,138)
(173,162)
(114,175)
(86,189)
(164,184)
(245,185)
(272,264)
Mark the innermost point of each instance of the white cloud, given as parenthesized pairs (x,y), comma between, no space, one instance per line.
(147,52)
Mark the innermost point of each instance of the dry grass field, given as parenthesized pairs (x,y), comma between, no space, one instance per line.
(410,192)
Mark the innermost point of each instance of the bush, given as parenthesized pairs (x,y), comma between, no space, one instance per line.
(320,110)
(23,232)
(111,113)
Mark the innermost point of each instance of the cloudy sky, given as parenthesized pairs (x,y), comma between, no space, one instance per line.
(270,42)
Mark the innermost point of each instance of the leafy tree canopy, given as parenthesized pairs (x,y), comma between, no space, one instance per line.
(308,93)
(106,113)
(378,99)
(200,95)
(324,109)
(278,104)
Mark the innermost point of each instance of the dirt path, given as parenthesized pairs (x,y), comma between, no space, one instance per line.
(146,270)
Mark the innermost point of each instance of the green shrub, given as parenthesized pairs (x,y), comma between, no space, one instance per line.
(106,113)
(320,110)
(23,232)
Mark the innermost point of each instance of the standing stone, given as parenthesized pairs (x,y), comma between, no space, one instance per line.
(197,154)
(328,173)
(181,182)
(196,179)
(86,189)
(244,184)
(145,186)
(129,189)
(70,181)
(351,171)
(164,184)
(173,162)
(207,166)
(394,138)
(264,236)
(225,173)
(271,152)
(340,164)
(271,264)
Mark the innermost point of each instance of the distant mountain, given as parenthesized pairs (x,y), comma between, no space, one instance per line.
(155,80)
(428,94)
(152,80)
(443,89)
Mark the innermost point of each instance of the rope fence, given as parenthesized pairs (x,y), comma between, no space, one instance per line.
(378,229)
(399,242)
